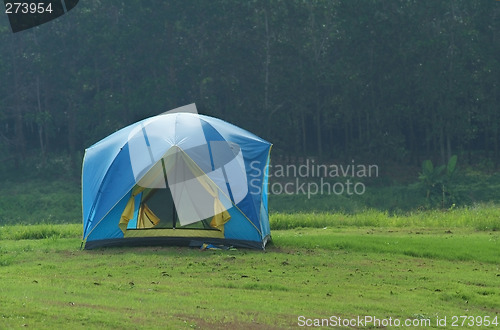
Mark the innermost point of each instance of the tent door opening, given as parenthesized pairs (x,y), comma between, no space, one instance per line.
(161,203)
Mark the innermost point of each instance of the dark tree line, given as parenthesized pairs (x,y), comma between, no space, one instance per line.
(399,80)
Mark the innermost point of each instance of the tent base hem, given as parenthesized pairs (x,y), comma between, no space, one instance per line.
(174,241)
(168,232)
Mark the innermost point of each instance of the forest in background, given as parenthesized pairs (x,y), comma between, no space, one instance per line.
(388,81)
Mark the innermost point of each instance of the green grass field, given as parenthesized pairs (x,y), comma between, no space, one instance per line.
(385,254)
(318,266)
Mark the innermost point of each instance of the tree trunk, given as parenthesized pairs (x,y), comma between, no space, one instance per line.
(72,133)
(41,121)
(448,146)
(360,128)
(411,142)
(346,134)
(126,110)
(427,142)
(367,133)
(266,66)
(441,145)
(318,133)
(46,126)
(496,137)
(304,135)
(19,140)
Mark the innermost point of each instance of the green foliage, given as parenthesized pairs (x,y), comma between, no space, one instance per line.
(464,189)
(452,164)
(40,201)
(438,182)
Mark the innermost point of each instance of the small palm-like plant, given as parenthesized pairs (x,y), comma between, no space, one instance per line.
(437,181)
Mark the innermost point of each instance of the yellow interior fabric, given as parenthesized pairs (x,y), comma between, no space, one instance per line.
(221,216)
(147,219)
(128,212)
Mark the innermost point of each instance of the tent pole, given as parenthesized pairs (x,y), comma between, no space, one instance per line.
(166,183)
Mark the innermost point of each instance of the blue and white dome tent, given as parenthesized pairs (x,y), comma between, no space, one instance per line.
(178,178)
